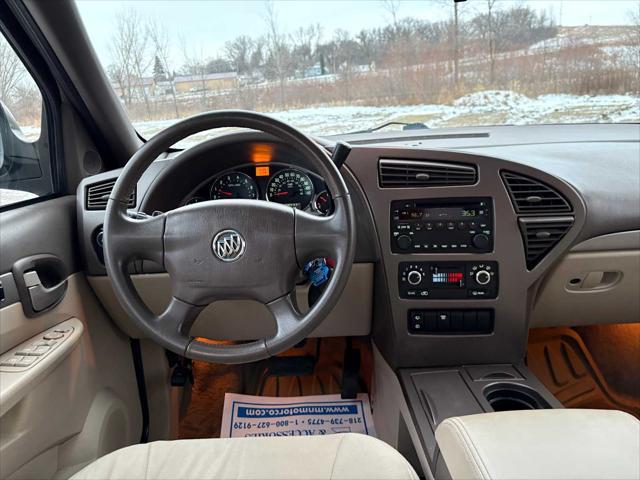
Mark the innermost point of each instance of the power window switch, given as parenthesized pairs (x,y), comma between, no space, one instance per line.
(44,343)
(63,330)
(9,362)
(52,336)
(26,361)
(33,351)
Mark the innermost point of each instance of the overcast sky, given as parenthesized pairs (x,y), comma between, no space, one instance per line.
(206,25)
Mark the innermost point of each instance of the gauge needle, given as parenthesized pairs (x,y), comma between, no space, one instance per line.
(281,194)
(228,194)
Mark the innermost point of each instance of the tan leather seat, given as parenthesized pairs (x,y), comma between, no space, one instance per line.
(542,444)
(342,456)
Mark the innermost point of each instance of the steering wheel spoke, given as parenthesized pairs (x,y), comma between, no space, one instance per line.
(288,321)
(128,239)
(322,236)
(178,317)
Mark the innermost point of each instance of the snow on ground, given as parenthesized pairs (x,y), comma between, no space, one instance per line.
(492,107)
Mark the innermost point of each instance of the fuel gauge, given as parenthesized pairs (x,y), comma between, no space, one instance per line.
(323,203)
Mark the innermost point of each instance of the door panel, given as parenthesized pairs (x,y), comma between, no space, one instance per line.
(80,400)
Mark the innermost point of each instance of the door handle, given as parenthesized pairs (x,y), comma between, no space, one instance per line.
(42,297)
(41,282)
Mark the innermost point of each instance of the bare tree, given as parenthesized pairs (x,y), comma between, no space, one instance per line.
(12,71)
(238,53)
(160,42)
(392,7)
(129,57)
(277,48)
(492,40)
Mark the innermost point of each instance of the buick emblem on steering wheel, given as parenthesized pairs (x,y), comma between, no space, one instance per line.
(228,245)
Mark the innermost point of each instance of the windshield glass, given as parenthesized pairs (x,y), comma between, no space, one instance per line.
(331,67)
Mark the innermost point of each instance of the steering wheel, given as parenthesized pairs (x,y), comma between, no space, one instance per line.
(229,249)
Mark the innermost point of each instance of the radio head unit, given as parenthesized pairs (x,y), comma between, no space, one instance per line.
(442,225)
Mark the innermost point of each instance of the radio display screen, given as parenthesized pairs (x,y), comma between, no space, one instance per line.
(441,213)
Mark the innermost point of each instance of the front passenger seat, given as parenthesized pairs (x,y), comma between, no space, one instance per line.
(340,456)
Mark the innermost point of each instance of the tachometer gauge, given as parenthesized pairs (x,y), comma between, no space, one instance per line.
(323,203)
(290,187)
(234,185)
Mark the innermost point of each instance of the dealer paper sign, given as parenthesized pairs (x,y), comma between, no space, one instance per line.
(252,416)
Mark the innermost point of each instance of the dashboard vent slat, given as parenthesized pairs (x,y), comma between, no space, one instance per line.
(533,196)
(97,195)
(540,235)
(414,173)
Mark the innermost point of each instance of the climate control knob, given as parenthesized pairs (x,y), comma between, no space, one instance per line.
(414,277)
(404,242)
(483,277)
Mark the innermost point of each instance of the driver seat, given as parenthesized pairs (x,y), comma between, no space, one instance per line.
(339,456)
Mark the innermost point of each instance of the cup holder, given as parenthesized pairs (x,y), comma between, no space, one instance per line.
(504,397)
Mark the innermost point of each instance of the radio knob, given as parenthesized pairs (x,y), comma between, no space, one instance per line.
(483,277)
(414,277)
(404,242)
(480,241)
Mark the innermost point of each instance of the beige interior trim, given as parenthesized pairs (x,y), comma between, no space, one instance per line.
(243,319)
(542,444)
(588,288)
(613,241)
(17,382)
(89,392)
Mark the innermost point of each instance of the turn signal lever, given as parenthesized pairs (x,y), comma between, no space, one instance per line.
(340,153)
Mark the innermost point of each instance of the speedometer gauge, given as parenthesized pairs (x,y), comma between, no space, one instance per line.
(290,187)
(234,185)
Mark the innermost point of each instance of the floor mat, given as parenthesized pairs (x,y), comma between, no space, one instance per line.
(259,416)
(563,363)
(211,383)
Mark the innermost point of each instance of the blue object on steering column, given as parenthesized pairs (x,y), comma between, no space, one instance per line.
(317,271)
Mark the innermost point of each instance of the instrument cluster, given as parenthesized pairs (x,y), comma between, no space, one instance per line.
(273,182)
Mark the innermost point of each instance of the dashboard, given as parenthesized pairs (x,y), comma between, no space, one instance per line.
(466,238)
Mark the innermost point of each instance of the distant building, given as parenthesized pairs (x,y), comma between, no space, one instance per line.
(313,71)
(209,81)
(160,86)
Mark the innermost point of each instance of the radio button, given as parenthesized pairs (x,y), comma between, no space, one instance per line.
(439,226)
(462,225)
(451,226)
(404,242)
(480,241)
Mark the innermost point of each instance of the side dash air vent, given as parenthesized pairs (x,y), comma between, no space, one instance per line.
(540,235)
(532,196)
(98,195)
(414,173)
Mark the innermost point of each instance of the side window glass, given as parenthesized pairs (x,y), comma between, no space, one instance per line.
(25,164)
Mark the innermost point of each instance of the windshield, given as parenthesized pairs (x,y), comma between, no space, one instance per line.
(330,67)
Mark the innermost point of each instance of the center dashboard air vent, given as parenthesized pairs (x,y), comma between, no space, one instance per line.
(532,196)
(393,173)
(98,195)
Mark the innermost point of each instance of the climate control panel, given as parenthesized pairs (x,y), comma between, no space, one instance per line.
(448,280)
